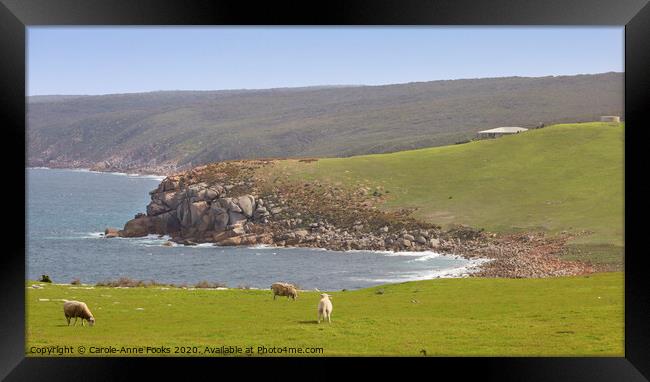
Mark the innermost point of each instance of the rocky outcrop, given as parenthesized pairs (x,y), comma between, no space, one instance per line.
(198,212)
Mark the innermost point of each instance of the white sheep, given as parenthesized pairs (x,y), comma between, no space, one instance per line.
(284,289)
(324,307)
(77,309)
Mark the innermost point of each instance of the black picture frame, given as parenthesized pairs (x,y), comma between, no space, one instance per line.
(16,15)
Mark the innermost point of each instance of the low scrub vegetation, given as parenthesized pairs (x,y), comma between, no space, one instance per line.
(129,283)
(207,284)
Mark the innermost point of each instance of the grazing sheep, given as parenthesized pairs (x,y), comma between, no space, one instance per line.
(284,289)
(324,307)
(77,309)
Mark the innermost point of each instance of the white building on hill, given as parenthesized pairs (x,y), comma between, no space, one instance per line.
(500,131)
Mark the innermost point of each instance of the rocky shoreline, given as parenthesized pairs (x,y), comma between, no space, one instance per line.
(107,166)
(231,203)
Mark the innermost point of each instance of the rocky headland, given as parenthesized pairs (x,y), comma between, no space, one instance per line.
(234,203)
(114,165)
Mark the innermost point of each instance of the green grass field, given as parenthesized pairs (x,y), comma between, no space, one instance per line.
(561,178)
(446,317)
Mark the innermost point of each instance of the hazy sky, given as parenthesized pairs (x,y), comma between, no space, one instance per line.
(93,60)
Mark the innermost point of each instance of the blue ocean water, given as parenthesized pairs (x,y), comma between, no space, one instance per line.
(68,209)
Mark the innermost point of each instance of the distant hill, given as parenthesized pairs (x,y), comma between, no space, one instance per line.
(161,131)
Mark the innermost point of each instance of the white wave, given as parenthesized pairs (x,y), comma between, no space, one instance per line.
(85,170)
(116,173)
(262,246)
(150,240)
(158,237)
(134,175)
(77,235)
(429,256)
(398,253)
(92,235)
(150,237)
(454,272)
(131,175)
(204,245)
(155,241)
(463,271)
(424,255)
(154,177)
(199,245)
(419,255)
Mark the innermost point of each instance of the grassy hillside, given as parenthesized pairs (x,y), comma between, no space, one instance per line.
(563,177)
(575,316)
(132,130)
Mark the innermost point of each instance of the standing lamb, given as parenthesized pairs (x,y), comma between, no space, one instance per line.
(77,309)
(324,307)
(284,289)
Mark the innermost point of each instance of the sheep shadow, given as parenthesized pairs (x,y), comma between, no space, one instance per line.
(308,322)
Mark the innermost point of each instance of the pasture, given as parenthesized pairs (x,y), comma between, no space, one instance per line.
(568,316)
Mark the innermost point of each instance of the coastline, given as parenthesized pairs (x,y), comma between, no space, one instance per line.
(158,170)
(84,222)
(526,255)
(229,204)
(472,264)
(85,169)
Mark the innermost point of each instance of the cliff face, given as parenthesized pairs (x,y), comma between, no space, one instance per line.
(200,212)
(192,210)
